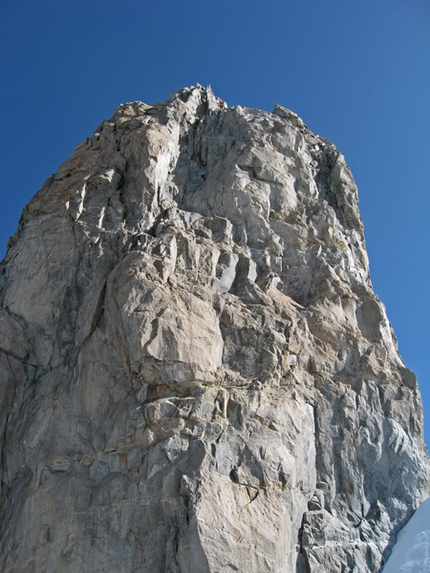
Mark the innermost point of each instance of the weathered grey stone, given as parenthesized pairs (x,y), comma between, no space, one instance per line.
(196,376)
(12,337)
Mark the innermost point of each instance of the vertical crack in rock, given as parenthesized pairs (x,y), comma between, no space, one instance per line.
(196,374)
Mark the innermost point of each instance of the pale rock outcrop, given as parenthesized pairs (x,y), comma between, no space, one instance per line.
(196,376)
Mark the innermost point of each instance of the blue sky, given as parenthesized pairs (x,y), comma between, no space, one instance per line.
(356,71)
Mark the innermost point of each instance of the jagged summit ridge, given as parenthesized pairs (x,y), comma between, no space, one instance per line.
(198,376)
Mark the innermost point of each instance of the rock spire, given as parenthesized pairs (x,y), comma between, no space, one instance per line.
(196,375)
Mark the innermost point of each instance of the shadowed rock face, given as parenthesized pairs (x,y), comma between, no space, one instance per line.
(196,376)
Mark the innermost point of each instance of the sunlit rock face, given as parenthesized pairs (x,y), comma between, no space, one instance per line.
(196,376)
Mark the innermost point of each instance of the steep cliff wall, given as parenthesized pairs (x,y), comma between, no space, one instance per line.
(196,374)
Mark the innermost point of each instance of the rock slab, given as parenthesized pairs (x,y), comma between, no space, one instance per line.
(196,375)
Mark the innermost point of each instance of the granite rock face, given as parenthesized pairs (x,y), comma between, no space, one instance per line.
(196,376)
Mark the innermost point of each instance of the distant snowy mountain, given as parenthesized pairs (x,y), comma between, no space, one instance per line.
(411,554)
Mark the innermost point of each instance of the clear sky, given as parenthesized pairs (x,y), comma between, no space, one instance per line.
(356,71)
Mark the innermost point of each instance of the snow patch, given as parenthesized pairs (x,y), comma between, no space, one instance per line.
(411,553)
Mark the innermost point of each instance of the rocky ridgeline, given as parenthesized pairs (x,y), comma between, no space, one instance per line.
(196,374)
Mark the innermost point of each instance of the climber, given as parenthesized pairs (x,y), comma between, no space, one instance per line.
(204,176)
(221,103)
